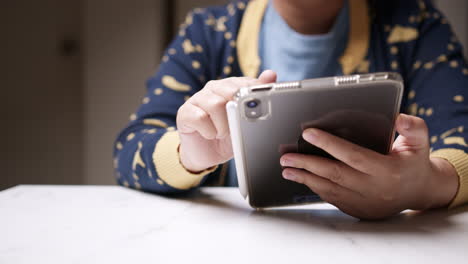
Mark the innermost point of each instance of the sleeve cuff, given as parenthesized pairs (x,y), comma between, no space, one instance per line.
(167,163)
(459,159)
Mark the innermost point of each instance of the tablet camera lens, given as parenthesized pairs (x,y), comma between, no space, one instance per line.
(253,109)
(252,104)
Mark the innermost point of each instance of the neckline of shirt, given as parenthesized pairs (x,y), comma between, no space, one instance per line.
(337,30)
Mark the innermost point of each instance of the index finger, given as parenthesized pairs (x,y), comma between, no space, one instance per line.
(357,157)
(227,88)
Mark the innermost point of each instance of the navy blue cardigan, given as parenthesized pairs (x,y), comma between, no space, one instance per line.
(406,36)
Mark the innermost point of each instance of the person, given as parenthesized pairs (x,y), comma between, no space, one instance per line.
(179,138)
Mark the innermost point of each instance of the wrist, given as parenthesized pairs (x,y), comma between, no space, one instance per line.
(443,184)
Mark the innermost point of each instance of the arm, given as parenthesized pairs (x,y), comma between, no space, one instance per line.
(151,154)
(146,151)
(421,171)
(437,92)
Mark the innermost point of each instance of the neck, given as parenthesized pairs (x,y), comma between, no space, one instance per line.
(309,17)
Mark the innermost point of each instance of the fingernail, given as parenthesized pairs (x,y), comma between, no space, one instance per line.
(288,175)
(286,162)
(310,135)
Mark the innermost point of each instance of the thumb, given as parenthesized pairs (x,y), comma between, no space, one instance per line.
(413,133)
(267,76)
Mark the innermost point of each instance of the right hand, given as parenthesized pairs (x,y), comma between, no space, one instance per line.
(202,122)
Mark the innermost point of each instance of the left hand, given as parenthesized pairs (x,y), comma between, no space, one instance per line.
(369,185)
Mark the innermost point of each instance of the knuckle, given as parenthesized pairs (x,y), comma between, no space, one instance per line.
(395,176)
(216,103)
(197,98)
(180,110)
(331,194)
(419,122)
(180,117)
(232,79)
(200,116)
(389,192)
(211,84)
(424,128)
(238,83)
(355,157)
(337,174)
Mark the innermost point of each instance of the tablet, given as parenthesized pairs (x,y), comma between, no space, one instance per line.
(267,121)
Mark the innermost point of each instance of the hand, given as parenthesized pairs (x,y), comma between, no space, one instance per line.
(203,126)
(369,185)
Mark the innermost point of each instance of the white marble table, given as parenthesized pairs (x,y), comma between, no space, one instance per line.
(110,224)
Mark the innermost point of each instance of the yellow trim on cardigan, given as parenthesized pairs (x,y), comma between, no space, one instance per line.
(248,38)
(359,37)
(167,163)
(459,159)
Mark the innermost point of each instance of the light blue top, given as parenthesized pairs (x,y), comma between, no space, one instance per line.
(294,56)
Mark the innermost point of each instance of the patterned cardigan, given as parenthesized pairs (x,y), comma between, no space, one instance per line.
(406,36)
